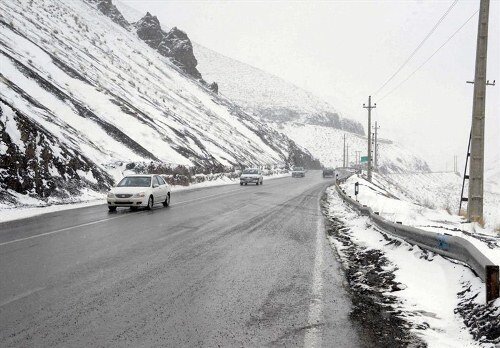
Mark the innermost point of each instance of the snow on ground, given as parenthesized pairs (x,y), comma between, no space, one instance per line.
(392,204)
(326,144)
(33,207)
(427,283)
(442,190)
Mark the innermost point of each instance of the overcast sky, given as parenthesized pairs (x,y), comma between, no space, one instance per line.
(343,51)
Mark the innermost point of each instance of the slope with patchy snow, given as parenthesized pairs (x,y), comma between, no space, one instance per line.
(268,96)
(327,144)
(100,97)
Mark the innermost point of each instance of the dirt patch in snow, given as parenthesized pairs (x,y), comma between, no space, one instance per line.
(483,320)
(379,324)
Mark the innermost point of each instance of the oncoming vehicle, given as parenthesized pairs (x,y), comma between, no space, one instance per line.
(136,191)
(251,175)
(298,172)
(328,173)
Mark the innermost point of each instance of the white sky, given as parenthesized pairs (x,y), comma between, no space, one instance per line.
(344,50)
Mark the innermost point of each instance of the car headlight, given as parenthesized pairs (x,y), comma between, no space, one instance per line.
(111,195)
(140,194)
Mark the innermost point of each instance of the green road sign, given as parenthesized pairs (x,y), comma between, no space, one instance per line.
(364,159)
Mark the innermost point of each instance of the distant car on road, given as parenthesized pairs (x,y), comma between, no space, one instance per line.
(298,172)
(328,173)
(136,191)
(251,175)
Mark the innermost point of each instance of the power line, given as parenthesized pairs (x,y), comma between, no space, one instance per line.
(418,47)
(432,55)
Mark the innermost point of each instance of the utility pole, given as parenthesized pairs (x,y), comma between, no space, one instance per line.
(370,107)
(375,159)
(357,157)
(347,156)
(476,177)
(343,163)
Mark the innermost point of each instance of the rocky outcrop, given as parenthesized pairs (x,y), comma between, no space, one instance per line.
(174,44)
(214,87)
(108,9)
(33,162)
(149,30)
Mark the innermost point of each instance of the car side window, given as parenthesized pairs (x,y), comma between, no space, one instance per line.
(155,181)
(160,180)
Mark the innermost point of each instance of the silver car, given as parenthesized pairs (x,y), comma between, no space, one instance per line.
(251,176)
(136,191)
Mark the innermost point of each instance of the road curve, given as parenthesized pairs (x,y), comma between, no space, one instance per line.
(223,266)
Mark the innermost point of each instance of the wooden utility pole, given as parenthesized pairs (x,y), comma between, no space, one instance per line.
(347,156)
(476,177)
(370,107)
(375,157)
(343,163)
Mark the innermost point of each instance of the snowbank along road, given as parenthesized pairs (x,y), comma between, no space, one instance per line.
(229,266)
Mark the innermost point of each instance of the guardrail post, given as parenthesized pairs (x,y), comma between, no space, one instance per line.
(492,278)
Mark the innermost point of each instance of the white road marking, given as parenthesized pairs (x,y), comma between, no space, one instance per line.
(104,220)
(312,337)
(20,296)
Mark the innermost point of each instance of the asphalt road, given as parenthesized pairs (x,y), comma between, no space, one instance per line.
(223,266)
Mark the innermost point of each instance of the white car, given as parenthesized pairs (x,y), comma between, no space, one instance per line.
(136,191)
(251,175)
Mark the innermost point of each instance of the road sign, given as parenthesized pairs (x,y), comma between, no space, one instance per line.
(364,159)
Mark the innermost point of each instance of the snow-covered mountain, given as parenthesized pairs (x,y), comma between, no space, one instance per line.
(308,120)
(83,95)
(268,96)
(327,144)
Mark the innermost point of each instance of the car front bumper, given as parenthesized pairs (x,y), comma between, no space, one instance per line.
(127,202)
(249,180)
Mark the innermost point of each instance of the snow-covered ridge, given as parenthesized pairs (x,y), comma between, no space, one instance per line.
(270,97)
(81,95)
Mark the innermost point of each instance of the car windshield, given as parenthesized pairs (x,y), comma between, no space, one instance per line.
(251,171)
(299,169)
(135,181)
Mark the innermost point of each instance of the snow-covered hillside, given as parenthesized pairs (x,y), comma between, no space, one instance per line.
(268,96)
(442,191)
(327,144)
(299,114)
(82,95)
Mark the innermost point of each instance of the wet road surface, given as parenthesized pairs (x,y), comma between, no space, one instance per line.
(223,266)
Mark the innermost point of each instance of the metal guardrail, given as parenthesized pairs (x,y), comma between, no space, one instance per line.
(447,245)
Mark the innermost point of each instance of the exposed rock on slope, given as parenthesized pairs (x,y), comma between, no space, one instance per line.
(173,44)
(33,161)
(110,10)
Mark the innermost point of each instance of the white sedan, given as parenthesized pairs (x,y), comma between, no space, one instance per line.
(136,191)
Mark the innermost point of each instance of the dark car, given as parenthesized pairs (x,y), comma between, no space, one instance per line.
(298,172)
(328,173)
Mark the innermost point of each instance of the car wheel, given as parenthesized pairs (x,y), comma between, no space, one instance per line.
(241,184)
(111,208)
(246,184)
(167,200)
(150,203)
